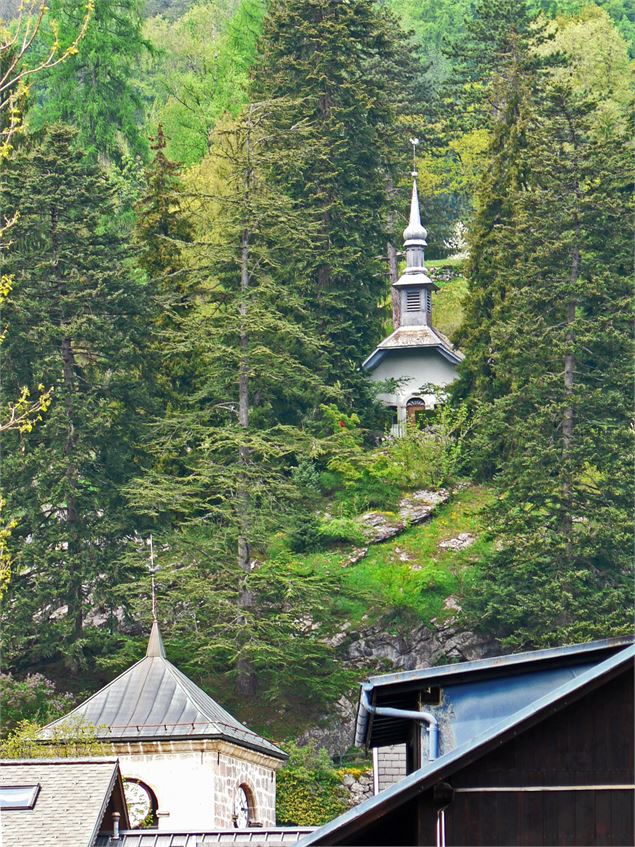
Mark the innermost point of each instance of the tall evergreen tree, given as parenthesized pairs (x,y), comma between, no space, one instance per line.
(563,516)
(75,315)
(496,74)
(97,89)
(222,473)
(344,71)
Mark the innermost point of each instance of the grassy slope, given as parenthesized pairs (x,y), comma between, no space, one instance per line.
(447,304)
(384,589)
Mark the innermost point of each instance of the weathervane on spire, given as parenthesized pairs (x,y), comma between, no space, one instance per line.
(153,569)
(414,142)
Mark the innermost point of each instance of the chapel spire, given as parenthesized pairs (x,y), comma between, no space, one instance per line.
(155,642)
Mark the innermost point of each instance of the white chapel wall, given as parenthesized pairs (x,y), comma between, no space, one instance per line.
(413,369)
(195,782)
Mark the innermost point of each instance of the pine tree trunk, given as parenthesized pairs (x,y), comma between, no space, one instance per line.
(246,679)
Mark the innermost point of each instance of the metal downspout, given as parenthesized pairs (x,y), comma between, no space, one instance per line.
(405,714)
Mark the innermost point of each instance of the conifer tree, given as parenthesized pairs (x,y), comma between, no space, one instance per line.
(496,74)
(221,479)
(97,90)
(344,71)
(563,515)
(75,313)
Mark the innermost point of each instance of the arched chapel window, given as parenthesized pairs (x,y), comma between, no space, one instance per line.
(142,804)
(244,807)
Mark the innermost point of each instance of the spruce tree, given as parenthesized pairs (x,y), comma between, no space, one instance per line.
(77,325)
(496,75)
(343,72)
(563,515)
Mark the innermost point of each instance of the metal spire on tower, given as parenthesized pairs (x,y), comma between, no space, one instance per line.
(415,233)
(155,642)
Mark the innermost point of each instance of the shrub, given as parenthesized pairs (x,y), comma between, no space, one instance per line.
(305,534)
(33,698)
(309,791)
(341,531)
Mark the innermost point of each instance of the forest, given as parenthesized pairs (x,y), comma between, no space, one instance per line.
(201,208)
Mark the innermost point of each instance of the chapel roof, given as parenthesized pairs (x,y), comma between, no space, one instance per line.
(153,700)
(414,338)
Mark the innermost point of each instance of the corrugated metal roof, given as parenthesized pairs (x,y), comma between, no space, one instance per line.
(154,700)
(273,837)
(69,807)
(444,766)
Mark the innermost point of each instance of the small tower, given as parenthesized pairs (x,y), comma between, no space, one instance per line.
(414,286)
(186,762)
(418,359)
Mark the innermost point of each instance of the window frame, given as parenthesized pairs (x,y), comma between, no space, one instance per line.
(35,793)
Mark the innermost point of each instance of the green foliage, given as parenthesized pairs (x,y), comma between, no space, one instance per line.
(345,73)
(96,90)
(33,699)
(76,311)
(341,530)
(309,790)
(304,536)
(200,71)
(71,740)
(559,436)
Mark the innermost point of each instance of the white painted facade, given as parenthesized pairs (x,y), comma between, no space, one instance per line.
(414,369)
(195,781)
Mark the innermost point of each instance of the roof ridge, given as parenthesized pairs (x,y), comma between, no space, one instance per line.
(434,769)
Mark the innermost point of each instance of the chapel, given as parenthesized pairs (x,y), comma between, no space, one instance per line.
(416,361)
(186,763)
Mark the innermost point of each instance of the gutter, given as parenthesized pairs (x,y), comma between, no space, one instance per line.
(405,714)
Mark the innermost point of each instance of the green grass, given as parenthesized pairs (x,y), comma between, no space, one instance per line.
(447,305)
(422,583)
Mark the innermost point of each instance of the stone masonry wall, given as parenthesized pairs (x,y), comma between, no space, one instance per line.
(359,786)
(195,782)
(391,765)
(260,782)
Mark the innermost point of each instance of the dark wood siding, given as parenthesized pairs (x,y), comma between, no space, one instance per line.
(589,743)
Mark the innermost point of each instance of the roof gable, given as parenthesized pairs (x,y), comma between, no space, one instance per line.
(446,765)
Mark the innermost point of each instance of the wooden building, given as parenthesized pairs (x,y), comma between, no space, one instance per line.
(558,771)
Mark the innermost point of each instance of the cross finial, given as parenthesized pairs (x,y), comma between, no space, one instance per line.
(153,569)
(414,142)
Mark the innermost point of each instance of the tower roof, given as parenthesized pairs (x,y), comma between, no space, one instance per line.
(153,700)
(415,231)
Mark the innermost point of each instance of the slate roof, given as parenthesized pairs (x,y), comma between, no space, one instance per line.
(270,837)
(153,700)
(414,338)
(69,807)
(443,767)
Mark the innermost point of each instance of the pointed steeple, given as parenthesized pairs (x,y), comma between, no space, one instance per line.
(415,231)
(155,643)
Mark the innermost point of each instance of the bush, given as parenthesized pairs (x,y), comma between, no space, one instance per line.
(33,698)
(341,531)
(309,791)
(305,534)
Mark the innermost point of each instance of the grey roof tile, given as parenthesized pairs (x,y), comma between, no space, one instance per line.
(154,700)
(69,807)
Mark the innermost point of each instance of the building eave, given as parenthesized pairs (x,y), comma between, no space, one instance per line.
(443,767)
